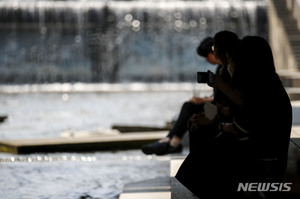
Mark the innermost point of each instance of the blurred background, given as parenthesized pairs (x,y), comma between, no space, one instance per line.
(115,41)
(88,64)
(78,64)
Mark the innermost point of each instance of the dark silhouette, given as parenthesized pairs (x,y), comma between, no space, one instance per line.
(225,43)
(253,147)
(172,143)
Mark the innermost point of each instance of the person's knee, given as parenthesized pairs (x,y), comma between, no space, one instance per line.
(193,134)
(187,105)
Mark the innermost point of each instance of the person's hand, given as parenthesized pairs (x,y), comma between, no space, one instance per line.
(197,100)
(197,120)
(175,141)
(217,81)
(192,123)
(228,128)
(226,112)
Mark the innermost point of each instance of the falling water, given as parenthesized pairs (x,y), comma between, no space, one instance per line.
(115,41)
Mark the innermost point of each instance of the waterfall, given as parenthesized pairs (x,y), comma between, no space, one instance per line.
(115,41)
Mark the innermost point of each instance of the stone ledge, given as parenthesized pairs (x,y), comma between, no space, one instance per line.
(82,144)
(294,7)
(283,35)
(146,195)
(171,188)
(178,191)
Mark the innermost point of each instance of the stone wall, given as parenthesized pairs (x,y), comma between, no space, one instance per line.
(294,7)
(284,34)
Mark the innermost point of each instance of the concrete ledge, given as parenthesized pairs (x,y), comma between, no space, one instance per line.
(295,132)
(293,93)
(148,189)
(296,118)
(175,165)
(178,191)
(158,188)
(146,195)
(294,8)
(284,36)
(161,184)
(292,174)
(289,78)
(81,144)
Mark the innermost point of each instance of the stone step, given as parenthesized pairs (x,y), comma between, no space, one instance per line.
(158,188)
(289,78)
(171,188)
(178,191)
(294,93)
(285,52)
(296,112)
(292,175)
(146,195)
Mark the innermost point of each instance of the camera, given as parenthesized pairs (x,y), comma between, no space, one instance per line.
(205,77)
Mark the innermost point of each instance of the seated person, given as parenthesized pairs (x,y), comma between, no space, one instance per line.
(172,143)
(200,127)
(253,147)
(266,126)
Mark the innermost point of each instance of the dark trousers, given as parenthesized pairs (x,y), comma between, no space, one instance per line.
(207,170)
(187,111)
(215,166)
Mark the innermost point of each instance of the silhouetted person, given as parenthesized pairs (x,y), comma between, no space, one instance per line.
(253,147)
(202,128)
(172,143)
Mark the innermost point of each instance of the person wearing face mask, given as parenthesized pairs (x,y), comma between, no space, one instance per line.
(224,45)
(253,147)
(172,142)
(262,127)
(202,131)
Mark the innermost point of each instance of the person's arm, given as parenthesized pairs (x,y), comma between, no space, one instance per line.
(227,128)
(198,120)
(235,129)
(199,100)
(226,112)
(231,93)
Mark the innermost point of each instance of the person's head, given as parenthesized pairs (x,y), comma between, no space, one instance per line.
(224,45)
(252,62)
(205,50)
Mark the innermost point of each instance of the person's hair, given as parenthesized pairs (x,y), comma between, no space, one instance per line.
(226,42)
(205,47)
(254,64)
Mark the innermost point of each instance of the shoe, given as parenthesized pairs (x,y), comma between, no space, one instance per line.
(170,149)
(153,148)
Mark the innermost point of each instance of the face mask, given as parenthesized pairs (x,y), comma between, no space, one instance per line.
(229,68)
(229,64)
